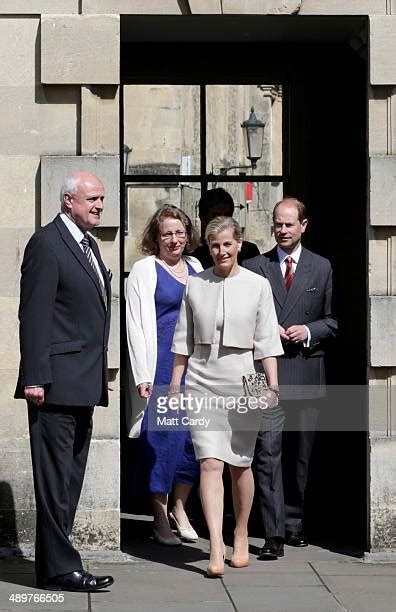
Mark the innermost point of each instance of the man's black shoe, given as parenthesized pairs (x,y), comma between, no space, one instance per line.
(272,549)
(81,582)
(296,538)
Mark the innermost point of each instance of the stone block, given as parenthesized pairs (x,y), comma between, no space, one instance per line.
(38,120)
(393,120)
(107,418)
(9,346)
(12,246)
(109,245)
(378,120)
(18,176)
(97,530)
(260,7)
(114,339)
(33,119)
(382,263)
(132,7)
(383,50)
(18,40)
(382,331)
(14,423)
(69,56)
(382,402)
(383,190)
(54,169)
(205,7)
(99,120)
(383,494)
(101,484)
(16,474)
(34,7)
(343,7)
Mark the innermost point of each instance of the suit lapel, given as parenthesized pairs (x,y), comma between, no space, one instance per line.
(71,243)
(105,274)
(298,285)
(272,271)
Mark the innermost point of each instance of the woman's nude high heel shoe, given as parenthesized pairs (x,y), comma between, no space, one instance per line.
(238,560)
(216,571)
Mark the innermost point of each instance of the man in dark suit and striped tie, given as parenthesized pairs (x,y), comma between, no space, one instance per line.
(301,283)
(64,318)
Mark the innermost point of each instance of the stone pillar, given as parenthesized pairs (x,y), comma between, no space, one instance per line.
(382,282)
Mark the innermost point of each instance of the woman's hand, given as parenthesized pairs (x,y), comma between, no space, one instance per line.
(272,396)
(145,390)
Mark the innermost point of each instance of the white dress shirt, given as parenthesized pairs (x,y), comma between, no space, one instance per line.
(78,236)
(295,256)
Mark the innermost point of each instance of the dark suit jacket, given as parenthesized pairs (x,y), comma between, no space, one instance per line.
(64,324)
(249,249)
(308,302)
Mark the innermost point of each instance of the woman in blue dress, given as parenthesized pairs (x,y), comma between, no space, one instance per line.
(154,293)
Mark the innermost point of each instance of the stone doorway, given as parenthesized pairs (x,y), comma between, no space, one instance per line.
(325,164)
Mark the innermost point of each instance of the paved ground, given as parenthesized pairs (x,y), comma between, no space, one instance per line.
(155,578)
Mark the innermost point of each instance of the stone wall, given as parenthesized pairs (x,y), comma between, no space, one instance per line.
(60,98)
(47,115)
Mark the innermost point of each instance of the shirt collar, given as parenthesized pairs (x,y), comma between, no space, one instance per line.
(75,231)
(295,255)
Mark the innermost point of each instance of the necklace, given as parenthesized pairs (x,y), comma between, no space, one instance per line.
(181,273)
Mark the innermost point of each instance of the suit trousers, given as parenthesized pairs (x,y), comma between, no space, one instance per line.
(298,438)
(267,469)
(59,440)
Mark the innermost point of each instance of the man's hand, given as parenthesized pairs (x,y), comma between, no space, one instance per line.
(283,335)
(297,333)
(35,395)
(145,389)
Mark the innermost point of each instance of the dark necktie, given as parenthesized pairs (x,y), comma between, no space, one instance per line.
(87,250)
(289,274)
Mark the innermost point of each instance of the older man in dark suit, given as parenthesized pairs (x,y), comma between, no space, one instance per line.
(301,283)
(64,318)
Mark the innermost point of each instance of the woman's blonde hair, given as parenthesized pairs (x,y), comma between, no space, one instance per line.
(219,224)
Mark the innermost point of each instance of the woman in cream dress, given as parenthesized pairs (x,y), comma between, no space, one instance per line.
(227,321)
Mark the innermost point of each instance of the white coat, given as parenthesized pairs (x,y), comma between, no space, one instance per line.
(141,328)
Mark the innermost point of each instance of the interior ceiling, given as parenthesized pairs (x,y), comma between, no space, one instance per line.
(240,28)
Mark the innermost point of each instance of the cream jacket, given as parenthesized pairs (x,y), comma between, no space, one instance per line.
(141,328)
(249,314)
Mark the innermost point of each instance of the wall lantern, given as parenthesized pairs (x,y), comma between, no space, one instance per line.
(127,152)
(253,134)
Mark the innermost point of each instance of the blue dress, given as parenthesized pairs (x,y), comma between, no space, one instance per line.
(168,456)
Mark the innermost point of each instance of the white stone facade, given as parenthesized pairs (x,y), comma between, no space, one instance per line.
(59,97)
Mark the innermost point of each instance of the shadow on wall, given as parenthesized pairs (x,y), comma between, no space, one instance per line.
(8,529)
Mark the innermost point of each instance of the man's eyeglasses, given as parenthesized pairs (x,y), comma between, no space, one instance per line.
(180,235)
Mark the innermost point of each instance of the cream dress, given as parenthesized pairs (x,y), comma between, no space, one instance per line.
(214,378)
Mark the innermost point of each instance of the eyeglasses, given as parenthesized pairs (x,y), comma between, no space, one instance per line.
(180,235)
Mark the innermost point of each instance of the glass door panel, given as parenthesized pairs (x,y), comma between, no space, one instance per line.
(227,107)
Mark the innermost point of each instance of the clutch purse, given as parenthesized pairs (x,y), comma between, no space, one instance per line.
(255,385)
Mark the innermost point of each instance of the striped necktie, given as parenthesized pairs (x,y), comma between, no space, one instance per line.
(289,274)
(87,250)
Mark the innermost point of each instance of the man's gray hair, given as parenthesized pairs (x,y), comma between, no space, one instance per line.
(69,185)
